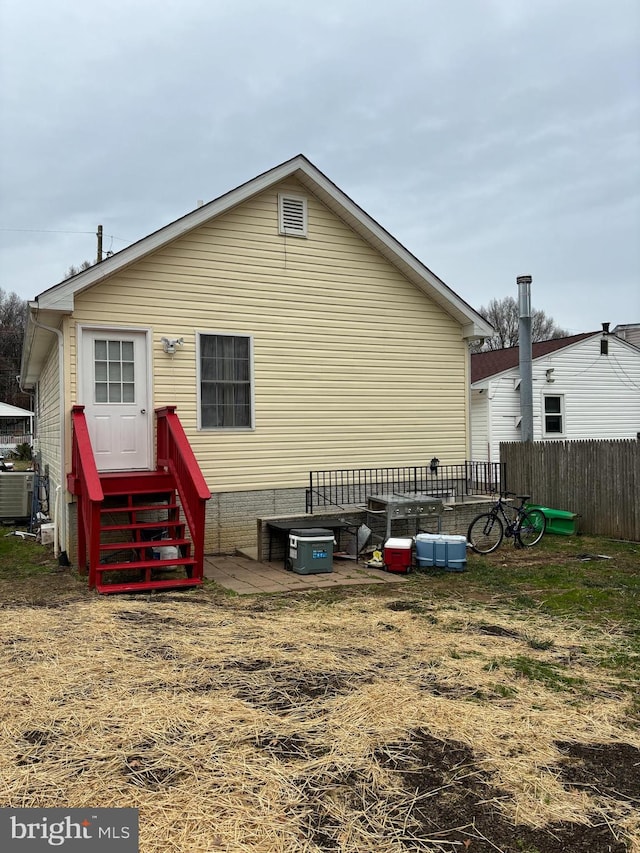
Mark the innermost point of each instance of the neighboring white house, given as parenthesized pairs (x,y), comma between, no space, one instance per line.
(585,386)
(16,427)
(629,332)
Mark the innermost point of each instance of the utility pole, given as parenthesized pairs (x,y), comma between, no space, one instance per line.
(525,355)
(99,236)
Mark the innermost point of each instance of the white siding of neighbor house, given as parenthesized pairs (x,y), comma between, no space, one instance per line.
(601,395)
(353,365)
(479,426)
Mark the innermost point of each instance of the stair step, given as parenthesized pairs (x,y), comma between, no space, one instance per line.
(145,525)
(136,482)
(152,494)
(138,507)
(143,586)
(143,564)
(123,546)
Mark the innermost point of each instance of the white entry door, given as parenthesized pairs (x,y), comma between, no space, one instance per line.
(114,392)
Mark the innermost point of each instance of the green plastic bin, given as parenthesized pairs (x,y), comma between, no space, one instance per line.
(559,521)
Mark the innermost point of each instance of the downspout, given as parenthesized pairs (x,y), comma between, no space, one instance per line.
(63,466)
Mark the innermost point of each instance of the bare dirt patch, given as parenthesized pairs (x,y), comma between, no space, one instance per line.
(458,804)
(611,769)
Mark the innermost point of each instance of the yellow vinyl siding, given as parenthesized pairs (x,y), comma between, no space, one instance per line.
(353,365)
(47,419)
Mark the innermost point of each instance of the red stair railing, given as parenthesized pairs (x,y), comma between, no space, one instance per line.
(84,481)
(175,454)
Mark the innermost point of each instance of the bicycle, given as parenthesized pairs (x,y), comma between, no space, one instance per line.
(487,530)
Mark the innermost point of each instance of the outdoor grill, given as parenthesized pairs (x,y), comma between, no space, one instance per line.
(395,506)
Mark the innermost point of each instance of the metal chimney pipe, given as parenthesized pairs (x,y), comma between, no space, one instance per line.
(526,380)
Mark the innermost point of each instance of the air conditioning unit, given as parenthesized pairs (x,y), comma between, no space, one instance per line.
(16,494)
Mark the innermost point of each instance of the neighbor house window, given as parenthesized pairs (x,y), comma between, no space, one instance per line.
(553,415)
(225,381)
(292,215)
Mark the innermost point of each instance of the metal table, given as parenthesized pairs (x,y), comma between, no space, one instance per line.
(283,528)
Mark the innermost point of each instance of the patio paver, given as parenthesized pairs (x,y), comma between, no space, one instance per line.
(246,576)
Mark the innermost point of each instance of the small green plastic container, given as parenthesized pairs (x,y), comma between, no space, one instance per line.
(559,521)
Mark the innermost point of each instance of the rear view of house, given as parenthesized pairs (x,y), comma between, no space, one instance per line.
(585,386)
(283,327)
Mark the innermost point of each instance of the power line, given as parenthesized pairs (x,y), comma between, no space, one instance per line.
(51,231)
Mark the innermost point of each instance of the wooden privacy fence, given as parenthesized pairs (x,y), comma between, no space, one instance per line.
(600,480)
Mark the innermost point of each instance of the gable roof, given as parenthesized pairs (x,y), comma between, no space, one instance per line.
(485,364)
(60,297)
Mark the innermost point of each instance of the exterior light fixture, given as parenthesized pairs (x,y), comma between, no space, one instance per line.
(169,344)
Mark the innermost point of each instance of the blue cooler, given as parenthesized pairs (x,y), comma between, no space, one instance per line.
(426,549)
(451,552)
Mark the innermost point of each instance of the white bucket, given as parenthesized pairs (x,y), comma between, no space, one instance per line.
(47,533)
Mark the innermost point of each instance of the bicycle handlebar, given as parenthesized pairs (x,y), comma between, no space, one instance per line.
(521,498)
(507,494)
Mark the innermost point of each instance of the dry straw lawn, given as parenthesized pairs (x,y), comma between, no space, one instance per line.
(364,722)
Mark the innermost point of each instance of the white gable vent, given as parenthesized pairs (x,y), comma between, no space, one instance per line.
(292,215)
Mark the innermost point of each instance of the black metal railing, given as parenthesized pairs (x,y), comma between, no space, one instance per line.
(351,486)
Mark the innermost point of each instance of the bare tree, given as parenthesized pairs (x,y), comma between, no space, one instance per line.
(13,318)
(504,316)
(75,270)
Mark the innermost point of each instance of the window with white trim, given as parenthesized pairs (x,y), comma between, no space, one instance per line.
(292,215)
(553,414)
(225,384)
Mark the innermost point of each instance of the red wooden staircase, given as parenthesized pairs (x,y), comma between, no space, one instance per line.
(140,530)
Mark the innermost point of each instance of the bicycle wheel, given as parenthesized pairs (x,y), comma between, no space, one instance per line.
(485,533)
(531,527)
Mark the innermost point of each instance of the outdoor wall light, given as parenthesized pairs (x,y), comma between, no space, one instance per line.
(433,465)
(549,374)
(169,344)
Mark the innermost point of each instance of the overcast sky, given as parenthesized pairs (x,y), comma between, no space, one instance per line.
(492,138)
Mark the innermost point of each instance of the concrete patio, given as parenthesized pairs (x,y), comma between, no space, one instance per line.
(246,576)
